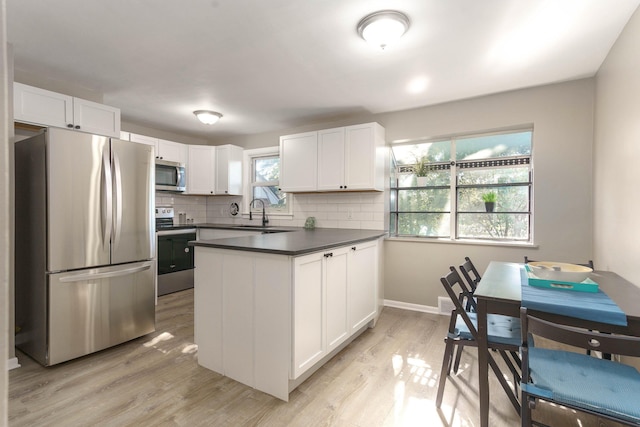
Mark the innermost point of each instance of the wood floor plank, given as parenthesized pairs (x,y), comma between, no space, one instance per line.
(386,377)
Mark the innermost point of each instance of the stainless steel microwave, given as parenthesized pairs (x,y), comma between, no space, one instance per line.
(170,176)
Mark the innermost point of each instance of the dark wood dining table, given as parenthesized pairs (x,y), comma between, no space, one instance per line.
(499,292)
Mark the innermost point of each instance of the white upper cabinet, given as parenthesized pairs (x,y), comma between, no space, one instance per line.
(350,158)
(44,107)
(201,174)
(331,154)
(228,170)
(143,139)
(96,118)
(172,151)
(299,162)
(365,157)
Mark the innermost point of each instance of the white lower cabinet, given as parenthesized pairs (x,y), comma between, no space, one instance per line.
(363,279)
(334,297)
(269,321)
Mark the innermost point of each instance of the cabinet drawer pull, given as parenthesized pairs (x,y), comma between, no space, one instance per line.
(328,254)
(353,248)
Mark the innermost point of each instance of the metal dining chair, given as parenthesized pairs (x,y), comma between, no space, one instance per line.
(503,335)
(600,387)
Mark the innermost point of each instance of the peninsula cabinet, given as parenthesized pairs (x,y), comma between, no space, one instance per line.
(269,321)
(320,307)
(350,158)
(47,108)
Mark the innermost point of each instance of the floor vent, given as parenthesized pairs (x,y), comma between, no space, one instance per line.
(445,306)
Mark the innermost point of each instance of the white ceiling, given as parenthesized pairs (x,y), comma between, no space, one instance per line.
(269,65)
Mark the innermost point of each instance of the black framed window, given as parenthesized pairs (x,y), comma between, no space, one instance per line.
(476,187)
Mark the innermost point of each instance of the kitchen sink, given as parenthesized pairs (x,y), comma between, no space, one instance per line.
(267,229)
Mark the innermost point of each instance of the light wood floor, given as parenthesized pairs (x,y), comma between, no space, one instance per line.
(386,377)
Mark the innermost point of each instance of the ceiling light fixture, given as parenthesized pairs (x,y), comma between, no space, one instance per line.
(383,28)
(207,117)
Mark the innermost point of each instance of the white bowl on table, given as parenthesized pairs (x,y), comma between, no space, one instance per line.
(560,271)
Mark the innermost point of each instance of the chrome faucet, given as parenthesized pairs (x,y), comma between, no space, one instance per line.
(265,220)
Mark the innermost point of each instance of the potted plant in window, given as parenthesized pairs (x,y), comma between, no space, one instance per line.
(421,169)
(489,200)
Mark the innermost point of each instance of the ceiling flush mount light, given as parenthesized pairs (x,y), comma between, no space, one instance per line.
(207,117)
(383,28)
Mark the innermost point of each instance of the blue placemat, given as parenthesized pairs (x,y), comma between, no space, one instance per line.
(595,306)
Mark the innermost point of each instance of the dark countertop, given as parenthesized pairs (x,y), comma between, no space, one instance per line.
(294,241)
(225,227)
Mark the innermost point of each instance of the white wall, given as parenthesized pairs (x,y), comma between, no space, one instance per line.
(617,151)
(562,117)
(6,269)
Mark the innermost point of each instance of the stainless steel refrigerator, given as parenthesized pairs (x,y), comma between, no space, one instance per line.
(85,244)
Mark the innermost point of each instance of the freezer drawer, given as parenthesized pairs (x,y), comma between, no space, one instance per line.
(90,310)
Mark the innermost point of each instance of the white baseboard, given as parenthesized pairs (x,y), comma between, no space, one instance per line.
(12,363)
(411,306)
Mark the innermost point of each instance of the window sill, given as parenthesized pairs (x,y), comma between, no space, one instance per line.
(462,242)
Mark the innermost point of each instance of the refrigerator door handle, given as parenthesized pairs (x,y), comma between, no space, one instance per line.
(79,277)
(117,222)
(107,194)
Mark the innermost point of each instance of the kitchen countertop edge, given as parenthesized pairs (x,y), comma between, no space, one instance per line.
(293,242)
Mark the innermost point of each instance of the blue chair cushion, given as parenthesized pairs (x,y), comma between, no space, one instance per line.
(586,382)
(501,329)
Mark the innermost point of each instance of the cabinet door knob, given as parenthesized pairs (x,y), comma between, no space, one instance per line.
(353,248)
(77,126)
(70,125)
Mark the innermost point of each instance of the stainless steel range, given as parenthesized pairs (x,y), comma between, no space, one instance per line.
(175,256)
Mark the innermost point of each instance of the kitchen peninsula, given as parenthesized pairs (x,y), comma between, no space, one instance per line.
(270,309)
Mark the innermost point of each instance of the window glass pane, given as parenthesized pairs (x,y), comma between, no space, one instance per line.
(439,151)
(432,178)
(266,169)
(270,195)
(489,146)
(493,176)
(424,224)
(434,200)
(493,226)
(508,199)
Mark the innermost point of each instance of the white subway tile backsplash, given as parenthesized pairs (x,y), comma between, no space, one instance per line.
(334,210)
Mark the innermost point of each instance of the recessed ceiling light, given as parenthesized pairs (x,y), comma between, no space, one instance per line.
(383,28)
(207,117)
